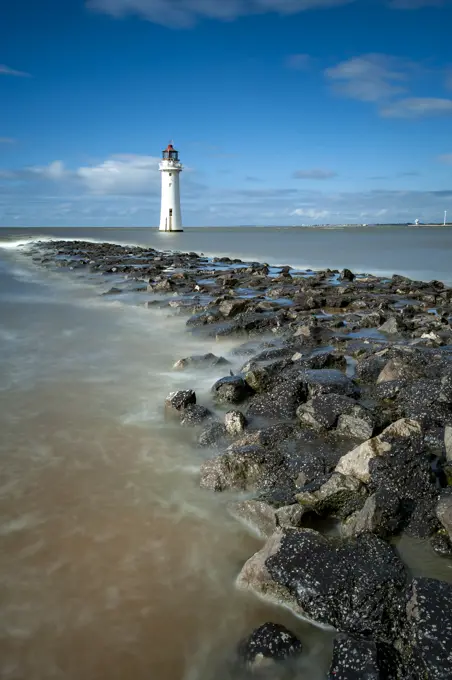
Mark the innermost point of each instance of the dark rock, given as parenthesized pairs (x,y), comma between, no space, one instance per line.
(396,463)
(195,414)
(441,544)
(200,361)
(369,368)
(392,326)
(326,381)
(270,643)
(239,468)
(333,410)
(382,514)
(309,457)
(281,402)
(323,411)
(427,633)
(419,401)
(347,275)
(448,442)
(363,660)
(444,510)
(178,401)
(213,436)
(264,518)
(113,291)
(203,318)
(336,496)
(235,423)
(354,585)
(165,286)
(231,390)
(233,307)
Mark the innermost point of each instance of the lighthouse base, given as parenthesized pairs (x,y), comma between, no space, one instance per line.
(170,231)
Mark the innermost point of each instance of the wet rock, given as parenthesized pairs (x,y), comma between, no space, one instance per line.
(309,456)
(281,402)
(178,401)
(337,496)
(390,389)
(399,369)
(418,400)
(213,435)
(264,518)
(200,361)
(448,442)
(327,381)
(362,660)
(232,307)
(444,510)
(235,423)
(441,544)
(262,376)
(347,275)
(369,368)
(113,291)
(244,468)
(359,424)
(325,360)
(380,515)
(357,462)
(308,332)
(267,646)
(426,640)
(165,286)
(391,326)
(231,390)
(354,585)
(194,415)
(370,320)
(323,411)
(396,462)
(327,411)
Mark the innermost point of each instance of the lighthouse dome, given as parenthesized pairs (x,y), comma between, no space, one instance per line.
(170,153)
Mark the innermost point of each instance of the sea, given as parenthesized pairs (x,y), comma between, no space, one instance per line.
(114,564)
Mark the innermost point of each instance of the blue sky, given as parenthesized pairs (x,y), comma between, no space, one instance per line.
(284,111)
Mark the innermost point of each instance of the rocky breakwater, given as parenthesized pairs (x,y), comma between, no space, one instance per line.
(330,424)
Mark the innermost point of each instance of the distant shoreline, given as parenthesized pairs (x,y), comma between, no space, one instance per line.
(242,227)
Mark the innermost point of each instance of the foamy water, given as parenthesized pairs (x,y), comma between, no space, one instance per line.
(113,563)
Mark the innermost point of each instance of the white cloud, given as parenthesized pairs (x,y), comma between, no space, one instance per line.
(124,190)
(7,140)
(445,158)
(417,107)
(122,174)
(7,71)
(315,173)
(310,213)
(185,13)
(54,170)
(370,77)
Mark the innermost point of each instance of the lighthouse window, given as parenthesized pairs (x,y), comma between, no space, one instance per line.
(171,174)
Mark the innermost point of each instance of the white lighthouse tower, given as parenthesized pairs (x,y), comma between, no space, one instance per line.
(170,167)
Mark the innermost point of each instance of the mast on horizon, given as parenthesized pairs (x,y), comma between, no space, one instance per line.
(170,212)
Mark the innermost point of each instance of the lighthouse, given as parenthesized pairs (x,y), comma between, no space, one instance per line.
(170,168)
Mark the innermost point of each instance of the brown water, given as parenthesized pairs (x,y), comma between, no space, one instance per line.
(113,563)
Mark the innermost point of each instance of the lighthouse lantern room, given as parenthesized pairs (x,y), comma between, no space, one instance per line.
(170,168)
